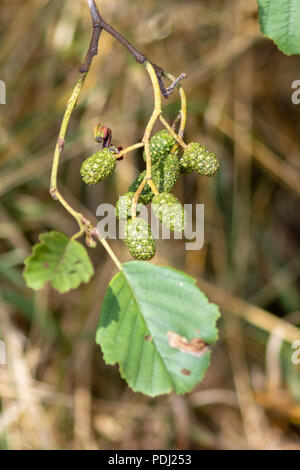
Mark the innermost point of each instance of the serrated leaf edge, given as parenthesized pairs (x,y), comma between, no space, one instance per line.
(36,247)
(217,315)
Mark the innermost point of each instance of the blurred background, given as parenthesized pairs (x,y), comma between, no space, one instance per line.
(55,390)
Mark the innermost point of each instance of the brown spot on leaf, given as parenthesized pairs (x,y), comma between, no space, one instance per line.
(196,347)
(148,338)
(45,265)
(186,372)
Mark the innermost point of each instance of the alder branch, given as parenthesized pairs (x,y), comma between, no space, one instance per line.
(156,74)
(93,48)
(101,24)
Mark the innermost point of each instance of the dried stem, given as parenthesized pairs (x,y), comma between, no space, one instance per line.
(138,56)
(93,48)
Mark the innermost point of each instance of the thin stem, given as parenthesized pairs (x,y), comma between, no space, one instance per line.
(175,81)
(172,132)
(77,215)
(129,149)
(85,225)
(93,48)
(62,133)
(78,234)
(136,197)
(106,245)
(153,187)
(146,139)
(58,150)
(156,113)
(183,110)
(140,58)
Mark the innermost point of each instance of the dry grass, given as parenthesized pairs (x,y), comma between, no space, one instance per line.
(55,391)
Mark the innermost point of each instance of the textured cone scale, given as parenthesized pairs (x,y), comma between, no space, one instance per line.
(161,145)
(198,158)
(169,211)
(98,167)
(139,239)
(165,175)
(124,205)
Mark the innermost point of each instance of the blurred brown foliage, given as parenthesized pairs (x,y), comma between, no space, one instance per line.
(55,391)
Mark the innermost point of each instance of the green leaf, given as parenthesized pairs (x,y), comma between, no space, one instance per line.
(157,325)
(63,262)
(279,20)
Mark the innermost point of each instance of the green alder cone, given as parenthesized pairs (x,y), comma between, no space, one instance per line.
(198,158)
(161,145)
(169,211)
(98,167)
(124,205)
(139,239)
(165,175)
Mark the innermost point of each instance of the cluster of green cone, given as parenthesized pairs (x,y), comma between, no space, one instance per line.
(166,169)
